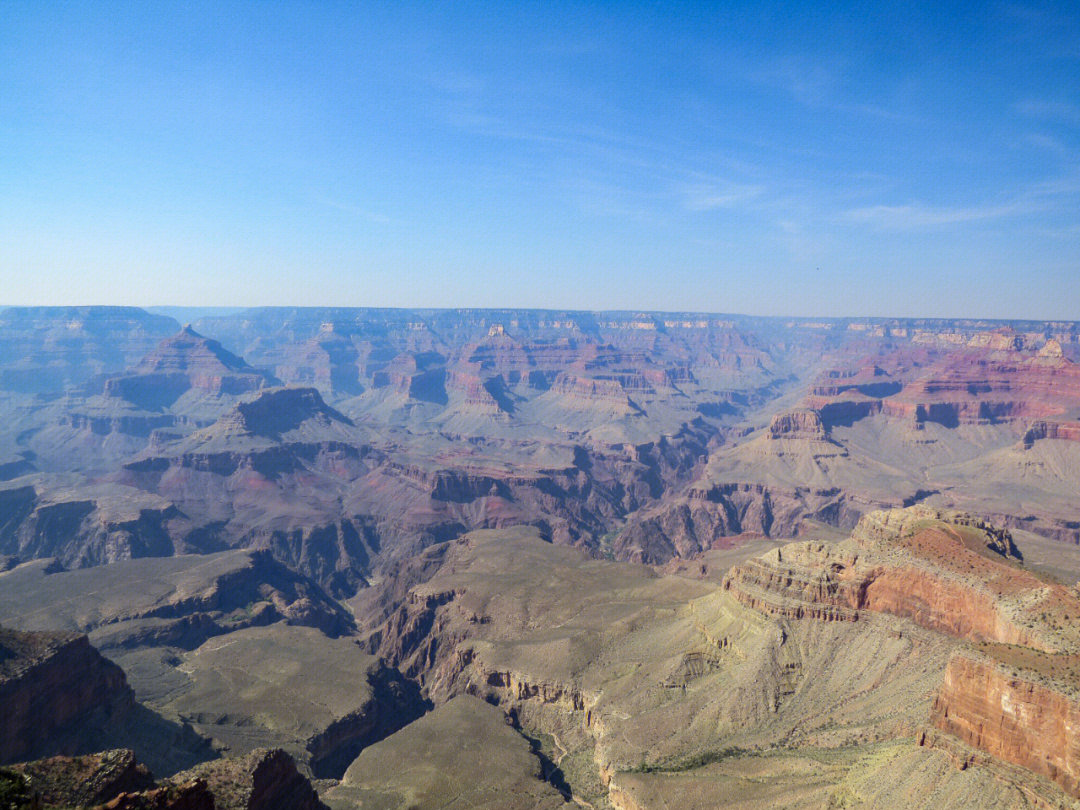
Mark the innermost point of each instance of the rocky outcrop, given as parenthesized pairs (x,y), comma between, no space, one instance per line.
(192,795)
(84,780)
(927,566)
(577,391)
(809,580)
(715,515)
(1044,429)
(1012,716)
(801,424)
(281,410)
(419,376)
(54,688)
(265,779)
(94,530)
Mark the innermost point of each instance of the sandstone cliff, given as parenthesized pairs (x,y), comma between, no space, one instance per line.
(1013,714)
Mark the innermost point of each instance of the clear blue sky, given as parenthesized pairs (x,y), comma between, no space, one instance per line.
(790,159)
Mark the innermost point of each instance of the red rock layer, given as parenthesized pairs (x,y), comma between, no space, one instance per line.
(811,580)
(1042,429)
(979,386)
(1014,719)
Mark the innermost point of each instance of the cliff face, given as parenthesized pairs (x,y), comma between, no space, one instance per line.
(1015,698)
(809,580)
(1013,718)
(52,684)
(945,571)
(797,424)
(1043,429)
(265,779)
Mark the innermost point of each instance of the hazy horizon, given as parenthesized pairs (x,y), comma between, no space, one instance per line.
(183,313)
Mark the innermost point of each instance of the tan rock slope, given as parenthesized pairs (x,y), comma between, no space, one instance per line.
(828,674)
(1013,692)
(463,754)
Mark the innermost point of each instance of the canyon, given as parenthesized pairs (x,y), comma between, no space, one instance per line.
(334,557)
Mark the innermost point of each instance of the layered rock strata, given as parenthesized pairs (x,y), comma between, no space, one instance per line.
(1011,715)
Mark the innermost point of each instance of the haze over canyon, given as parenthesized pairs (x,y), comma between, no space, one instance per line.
(390,558)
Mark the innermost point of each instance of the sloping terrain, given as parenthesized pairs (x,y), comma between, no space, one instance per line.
(389,543)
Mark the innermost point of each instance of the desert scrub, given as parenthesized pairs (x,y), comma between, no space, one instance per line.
(843,798)
(690,763)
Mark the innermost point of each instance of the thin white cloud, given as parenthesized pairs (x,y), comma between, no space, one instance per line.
(1048,142)
(808,81)
(916,215)
(720,195)
(1061,111)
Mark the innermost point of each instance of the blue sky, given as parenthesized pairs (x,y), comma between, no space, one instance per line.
(769,159)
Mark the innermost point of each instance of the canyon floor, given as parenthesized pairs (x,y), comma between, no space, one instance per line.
(420,559)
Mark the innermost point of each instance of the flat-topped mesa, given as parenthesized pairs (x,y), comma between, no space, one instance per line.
(580,391)
(948,572)
(1048,429)
(279,410)
(799,424)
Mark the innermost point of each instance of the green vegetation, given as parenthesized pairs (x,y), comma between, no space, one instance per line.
(690,763)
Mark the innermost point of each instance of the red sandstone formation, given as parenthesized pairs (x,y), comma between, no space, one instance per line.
(1013,717)
(953,577)
(956,575)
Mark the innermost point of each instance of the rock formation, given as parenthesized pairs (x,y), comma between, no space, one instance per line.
(184,362)
(56,691)
(1014,713)
(265,779)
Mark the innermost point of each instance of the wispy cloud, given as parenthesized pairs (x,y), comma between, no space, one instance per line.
(719,195)
(1048,142)
(1061,111)
(917,215)
(809,82)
